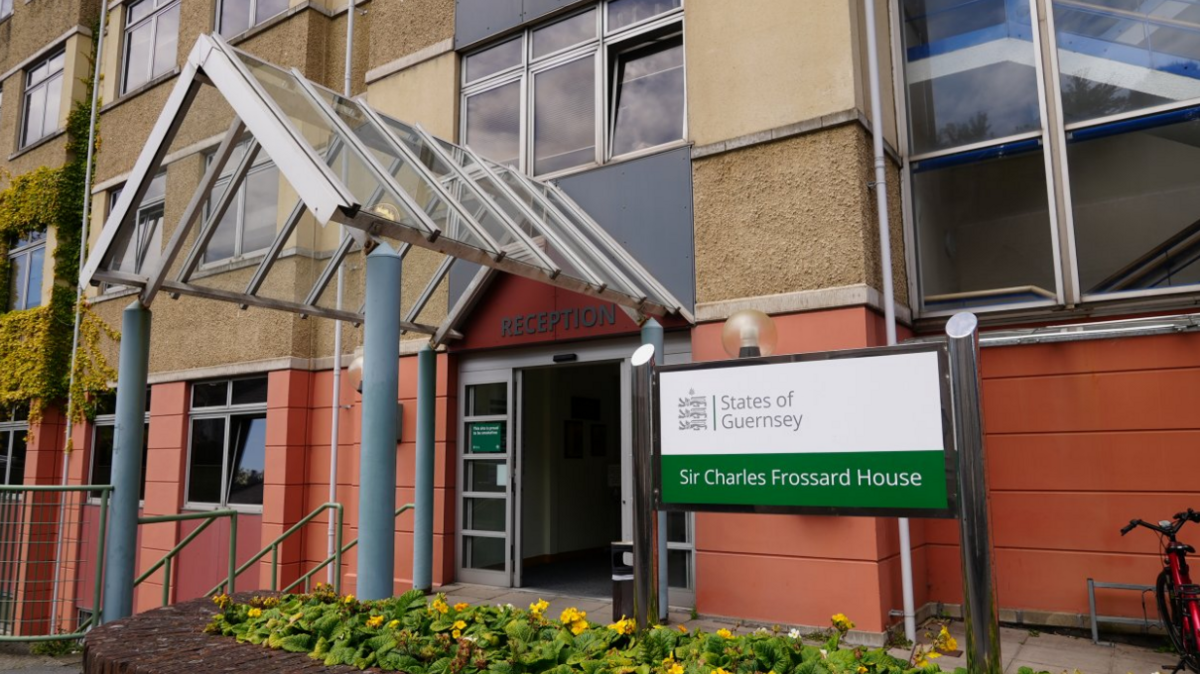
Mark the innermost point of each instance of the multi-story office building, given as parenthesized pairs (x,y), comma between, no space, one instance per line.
(1039,174)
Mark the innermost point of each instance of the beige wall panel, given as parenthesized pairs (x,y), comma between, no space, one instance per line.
(426,93)
(883,33)
(761,64)
(410,26)
(782,217)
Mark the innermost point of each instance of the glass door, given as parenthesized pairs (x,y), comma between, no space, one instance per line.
(486,465)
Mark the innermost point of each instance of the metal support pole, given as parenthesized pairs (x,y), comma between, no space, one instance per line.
(979,594)
(121,553)
(426,421)
(377,464)
(645,578)
(652,333)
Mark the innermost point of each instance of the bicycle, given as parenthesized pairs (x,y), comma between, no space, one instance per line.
(1178,597)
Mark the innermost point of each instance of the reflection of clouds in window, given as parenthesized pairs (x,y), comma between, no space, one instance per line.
(623,13)
(494,123)
(650,98)
(262,197)
(564,117)
(565,33)
(247,459)
(965,107)
(493,60)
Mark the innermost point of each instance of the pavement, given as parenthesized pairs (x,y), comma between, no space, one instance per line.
(17,658)
(1018,648)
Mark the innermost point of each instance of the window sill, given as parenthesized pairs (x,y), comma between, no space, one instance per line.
(210,507)
(228,264)
(268,24)
(631,156)
(38,143)
(113,295)
(134,93)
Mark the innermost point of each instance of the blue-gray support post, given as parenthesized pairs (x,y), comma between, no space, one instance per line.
(381,387)
(652,333)
(130,427)
(426,420)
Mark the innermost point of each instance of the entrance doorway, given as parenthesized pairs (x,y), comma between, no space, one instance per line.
(570,459)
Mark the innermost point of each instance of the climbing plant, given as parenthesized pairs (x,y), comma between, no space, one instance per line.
(35,344)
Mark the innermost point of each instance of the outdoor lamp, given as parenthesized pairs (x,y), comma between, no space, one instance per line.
(749,334)
(355,371)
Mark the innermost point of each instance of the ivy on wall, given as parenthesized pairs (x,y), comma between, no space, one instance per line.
(35,344)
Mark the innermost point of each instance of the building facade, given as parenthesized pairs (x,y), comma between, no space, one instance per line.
(1038,174)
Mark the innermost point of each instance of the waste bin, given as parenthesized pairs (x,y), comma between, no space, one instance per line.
(622,579)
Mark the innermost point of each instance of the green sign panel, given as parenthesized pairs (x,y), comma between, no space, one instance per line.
(487,437)
(863,432)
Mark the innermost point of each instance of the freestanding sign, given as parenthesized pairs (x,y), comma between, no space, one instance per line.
(858,432)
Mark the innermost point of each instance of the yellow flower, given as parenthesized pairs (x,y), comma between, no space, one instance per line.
(539,606)
(571,615)
(222,601)
(439,606)
(675,669)
(725,634)
(460,625)
(842,623)
(683,629)
(946,642)
(862,669)
(375,621)
(393,625)
(255,612)
(578,626)
(627,626)
(461,606)
(349,599)
(718,670)
(456,634)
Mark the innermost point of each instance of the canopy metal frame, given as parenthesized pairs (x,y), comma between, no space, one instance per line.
(450,200)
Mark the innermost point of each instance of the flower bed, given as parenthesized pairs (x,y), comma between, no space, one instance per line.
(416,636)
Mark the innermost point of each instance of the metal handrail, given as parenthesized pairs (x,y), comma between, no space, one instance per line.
(338,552)
(273,548)
(165,562)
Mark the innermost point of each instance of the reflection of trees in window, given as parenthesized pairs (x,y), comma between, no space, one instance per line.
(973,130)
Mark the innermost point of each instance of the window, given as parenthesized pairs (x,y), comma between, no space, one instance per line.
(227,455)
(577,114)
(138,249)
(1127,81)
(26,260)
(250,223)
(236,16)
(14,426)
(103,432)
(151,41)
(6,8)
(43,97)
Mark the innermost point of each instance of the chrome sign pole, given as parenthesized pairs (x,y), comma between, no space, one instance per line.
(645,579)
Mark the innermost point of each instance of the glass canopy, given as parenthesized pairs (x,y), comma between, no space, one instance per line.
(340,160)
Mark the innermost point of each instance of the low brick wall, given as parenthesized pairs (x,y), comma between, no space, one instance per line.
(171,640)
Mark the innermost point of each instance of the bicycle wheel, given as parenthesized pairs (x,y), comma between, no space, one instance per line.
(1170,611)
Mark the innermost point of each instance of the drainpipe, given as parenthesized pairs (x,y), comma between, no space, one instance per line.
(336,412)
(83,246)
(885,264)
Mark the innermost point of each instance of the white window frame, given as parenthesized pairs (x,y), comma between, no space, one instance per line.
(261,163)
(160,7)
(226,412)
(6,9)
(7,431)
(138,232)
(32,88)
(27,250)
(253,13)
(604,48)
(106,420)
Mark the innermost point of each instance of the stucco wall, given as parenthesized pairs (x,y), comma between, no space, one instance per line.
(779,63)
(410,26)
(791,215)
(33,24)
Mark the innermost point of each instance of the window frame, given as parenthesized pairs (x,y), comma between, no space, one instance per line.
(43,84)
(605,47)
(253,11)
(9,426)
(105,421)
(113,195)
(27,250)
(261,164)
(225,412)
(151,18)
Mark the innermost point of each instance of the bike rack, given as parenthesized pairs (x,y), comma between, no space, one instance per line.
(1119,620)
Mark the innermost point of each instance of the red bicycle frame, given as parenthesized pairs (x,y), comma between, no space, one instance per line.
(1189,594)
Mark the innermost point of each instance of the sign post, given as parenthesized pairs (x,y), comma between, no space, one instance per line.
(645,577)
(979,595)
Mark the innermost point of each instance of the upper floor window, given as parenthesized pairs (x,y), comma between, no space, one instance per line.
(236,16)
(151,41)
(138,248)
(43,98)
(6,8)
(603,83)
(987,225)
(249,225)
(227,456)
(25,262)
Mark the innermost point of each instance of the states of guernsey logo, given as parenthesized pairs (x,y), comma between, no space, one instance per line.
(693,412)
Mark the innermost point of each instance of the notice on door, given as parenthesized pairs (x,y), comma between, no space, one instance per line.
(854,432)
(487,437)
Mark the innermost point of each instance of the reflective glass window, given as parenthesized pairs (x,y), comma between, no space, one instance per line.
(250,223)
(493,125)
(6,8)
(227,457)
(493,60)
(43,99)
(564,127)
(566,33)
(26,264)
(246,459)
(983,229)
(623,13)
(151,41)
(139,248)
(102,454)
(649,105)
(969,68)
(236,16)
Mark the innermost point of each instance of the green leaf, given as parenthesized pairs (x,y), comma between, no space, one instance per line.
(296,643)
